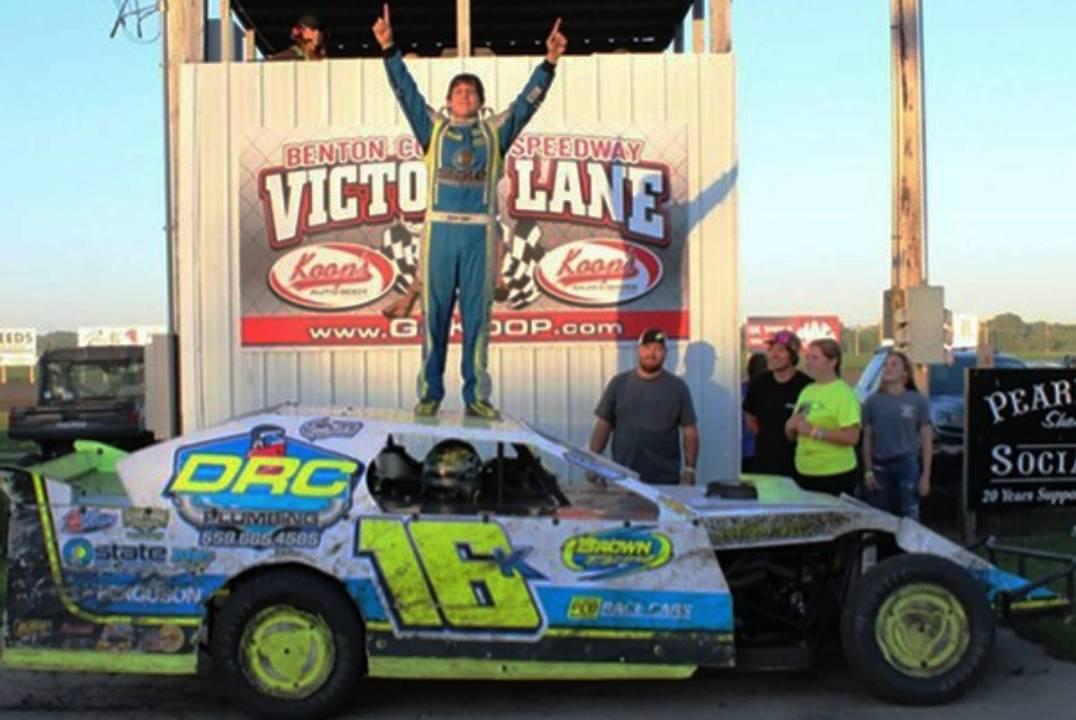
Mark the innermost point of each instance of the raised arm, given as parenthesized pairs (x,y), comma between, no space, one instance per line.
(511,122)
(420,116)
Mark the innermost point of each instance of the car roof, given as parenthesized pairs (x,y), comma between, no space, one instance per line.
(449,424)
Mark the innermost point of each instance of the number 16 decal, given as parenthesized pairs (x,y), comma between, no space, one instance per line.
(450,575)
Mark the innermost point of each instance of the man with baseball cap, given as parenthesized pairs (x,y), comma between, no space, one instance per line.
(770,400)
(308,37)
(645,409)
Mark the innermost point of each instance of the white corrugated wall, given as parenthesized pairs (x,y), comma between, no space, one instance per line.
(554,385)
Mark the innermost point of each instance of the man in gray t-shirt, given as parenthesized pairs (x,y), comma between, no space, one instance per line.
(645,409)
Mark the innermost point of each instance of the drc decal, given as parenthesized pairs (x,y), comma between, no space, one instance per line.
(615,552)
(261,489)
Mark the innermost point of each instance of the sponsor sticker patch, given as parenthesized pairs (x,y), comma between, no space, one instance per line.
(615,552)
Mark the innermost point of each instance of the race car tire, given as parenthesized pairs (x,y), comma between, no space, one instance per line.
(289,644)
(917,629)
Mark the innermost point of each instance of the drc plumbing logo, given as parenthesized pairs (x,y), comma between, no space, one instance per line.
(261,489)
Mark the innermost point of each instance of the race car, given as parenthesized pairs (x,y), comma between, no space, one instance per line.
(292,552)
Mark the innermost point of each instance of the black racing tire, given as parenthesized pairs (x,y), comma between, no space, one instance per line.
(917,629)
(272,615)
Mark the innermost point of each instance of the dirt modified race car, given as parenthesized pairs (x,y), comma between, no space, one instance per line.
(292,552)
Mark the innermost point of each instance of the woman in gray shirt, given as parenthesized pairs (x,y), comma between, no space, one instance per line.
(897,441)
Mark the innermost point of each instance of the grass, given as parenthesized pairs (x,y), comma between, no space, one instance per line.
(1056,635)
(9,446)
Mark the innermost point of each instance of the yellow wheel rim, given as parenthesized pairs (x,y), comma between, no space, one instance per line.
(922,630)
(287,653)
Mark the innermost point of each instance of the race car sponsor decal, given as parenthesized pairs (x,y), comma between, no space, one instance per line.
(323,428)
(261,489)
(649,609)
(73,629)
(32,630)
(165,639)
(87,520)
(129,594)
(615,552)
(81,553)
(602,470)
(446,575)
(145,523)
(192,557)
(119,638)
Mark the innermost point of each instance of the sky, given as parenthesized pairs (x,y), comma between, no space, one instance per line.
(81,189)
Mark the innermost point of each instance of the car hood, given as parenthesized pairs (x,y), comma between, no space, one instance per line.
(783,514)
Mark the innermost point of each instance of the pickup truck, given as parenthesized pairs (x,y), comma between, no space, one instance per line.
(90,393)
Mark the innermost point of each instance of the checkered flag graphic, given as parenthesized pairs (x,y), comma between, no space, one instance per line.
(524,251)
(400,246)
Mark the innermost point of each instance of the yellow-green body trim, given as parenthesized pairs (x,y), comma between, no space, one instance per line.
(477,669)
(99,661)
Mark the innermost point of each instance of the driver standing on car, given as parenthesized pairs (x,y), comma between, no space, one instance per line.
(646,409)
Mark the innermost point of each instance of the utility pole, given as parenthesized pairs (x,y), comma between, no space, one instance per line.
(909,187)
(182,41)
(720,26)
(914,312)
(463,28)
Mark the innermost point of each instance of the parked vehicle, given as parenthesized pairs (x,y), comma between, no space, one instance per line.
(91,393)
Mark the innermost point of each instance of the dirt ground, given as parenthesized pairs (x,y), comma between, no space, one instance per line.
(1021,682)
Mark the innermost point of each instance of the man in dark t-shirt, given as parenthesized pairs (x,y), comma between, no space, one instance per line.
(645,409)
(769,403)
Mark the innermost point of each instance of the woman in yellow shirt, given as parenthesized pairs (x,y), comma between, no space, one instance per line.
(825,424)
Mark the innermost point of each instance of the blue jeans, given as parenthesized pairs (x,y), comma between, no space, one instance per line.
(898,485)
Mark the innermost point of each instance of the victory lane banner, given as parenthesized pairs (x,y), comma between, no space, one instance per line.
(1020,438)
(591,238)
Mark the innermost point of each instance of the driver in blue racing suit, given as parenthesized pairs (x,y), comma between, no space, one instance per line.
(464,159)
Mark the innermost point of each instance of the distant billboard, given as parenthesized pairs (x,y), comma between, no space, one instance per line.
(18,346)
(808,327)
(118,335)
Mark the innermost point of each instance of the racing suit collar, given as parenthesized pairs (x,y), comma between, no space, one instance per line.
(462,122)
